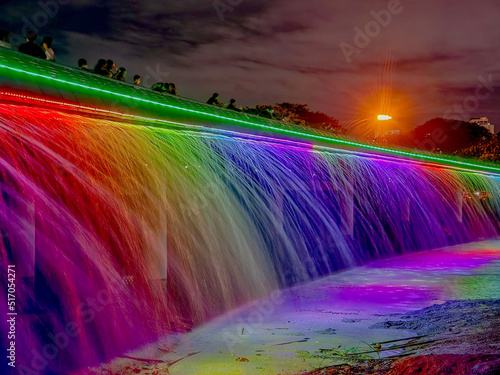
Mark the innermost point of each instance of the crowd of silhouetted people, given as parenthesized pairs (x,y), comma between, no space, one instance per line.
(107,68)
(103,67)
(44,51)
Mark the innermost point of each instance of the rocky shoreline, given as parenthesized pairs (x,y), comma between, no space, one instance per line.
(457,337)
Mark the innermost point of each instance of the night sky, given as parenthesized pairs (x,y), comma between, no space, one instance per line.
(428,60)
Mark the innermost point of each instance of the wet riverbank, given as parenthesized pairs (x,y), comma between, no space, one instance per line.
(343,318)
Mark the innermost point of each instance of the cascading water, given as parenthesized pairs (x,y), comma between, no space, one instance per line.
(121,233)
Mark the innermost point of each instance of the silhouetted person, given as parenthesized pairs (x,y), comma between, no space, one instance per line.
(47,48)
(232,105)
(30,48)
(100,67)
(172,89)
(137,79)
(83,65)
(214,100)
(4,39)
(120,74)
(267,113)
(160,87)
(111,68)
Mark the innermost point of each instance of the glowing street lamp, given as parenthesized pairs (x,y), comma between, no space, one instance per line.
(383,117)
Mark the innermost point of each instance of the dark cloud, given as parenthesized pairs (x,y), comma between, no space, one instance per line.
(264,51)
(246,63)
(480,99)
(410,64)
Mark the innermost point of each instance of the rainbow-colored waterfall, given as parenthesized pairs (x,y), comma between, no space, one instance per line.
(121,233)
(127,214)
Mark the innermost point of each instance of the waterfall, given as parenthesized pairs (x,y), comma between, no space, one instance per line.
(120,233)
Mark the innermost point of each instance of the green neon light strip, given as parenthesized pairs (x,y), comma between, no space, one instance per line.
(317,148)
(266,127)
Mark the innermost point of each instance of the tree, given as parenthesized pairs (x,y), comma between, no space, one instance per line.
(298,114)
(487,149)
(449,136)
